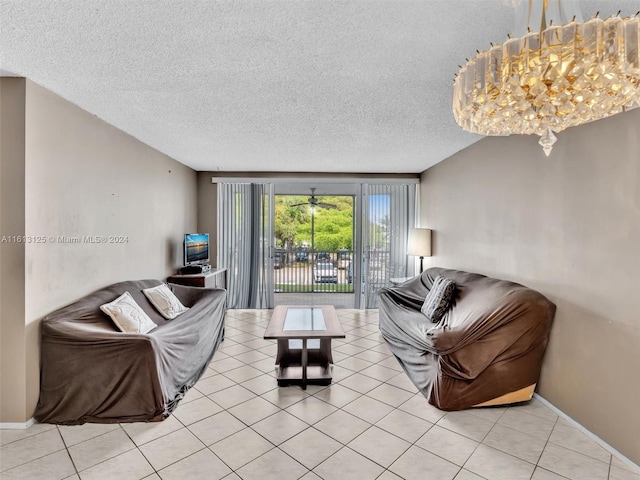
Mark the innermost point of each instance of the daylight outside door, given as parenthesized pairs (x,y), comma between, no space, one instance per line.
(313,246)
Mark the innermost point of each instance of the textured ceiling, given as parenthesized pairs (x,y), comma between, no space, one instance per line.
(265,85)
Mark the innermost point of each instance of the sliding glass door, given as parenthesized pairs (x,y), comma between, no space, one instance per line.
(314,245)
(262,259)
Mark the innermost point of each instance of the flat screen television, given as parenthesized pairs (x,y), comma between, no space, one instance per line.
(196,248)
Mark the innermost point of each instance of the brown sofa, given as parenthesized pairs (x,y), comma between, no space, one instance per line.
(92,372)
(486,350)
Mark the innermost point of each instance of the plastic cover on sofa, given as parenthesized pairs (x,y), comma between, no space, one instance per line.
(92,372)
(490,342)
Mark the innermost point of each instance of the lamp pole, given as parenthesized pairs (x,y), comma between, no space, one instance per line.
(313,248)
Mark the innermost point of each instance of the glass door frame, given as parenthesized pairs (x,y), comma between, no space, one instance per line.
(329,185)
(303,188)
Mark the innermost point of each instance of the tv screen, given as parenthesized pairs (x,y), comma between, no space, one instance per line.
(196,248)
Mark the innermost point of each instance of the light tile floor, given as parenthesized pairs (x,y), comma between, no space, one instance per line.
(370,423)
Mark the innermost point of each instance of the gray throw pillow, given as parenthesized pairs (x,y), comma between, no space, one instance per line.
(438,299)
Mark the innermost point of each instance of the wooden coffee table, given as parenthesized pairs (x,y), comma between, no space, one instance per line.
(304,336)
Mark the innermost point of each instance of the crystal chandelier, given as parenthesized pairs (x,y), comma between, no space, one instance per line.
(544,82)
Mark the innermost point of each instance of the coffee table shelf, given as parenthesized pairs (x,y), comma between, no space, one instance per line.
(293,374)
(302,364)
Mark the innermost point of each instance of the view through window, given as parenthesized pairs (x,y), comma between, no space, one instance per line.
(314,244)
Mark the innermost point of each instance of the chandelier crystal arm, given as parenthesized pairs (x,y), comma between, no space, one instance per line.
(547,81)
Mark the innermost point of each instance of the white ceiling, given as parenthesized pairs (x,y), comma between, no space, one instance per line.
(360,86)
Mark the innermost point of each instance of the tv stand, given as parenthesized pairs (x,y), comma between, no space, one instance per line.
(214,278)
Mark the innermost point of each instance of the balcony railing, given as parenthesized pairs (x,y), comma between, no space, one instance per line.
(306,271)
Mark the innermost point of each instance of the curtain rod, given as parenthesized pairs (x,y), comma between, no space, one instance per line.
(318,180)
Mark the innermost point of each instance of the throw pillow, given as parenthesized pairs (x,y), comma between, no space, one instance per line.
(438,299)
(165,301)
(127,315)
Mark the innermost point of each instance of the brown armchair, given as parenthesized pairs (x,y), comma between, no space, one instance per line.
(487,349)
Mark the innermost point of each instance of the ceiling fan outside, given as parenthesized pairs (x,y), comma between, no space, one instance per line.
(313,201)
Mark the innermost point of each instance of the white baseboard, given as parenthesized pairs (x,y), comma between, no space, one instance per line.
(17,425)
(589,434)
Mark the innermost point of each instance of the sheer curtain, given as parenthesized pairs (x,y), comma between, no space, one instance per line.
(388,213)
(245,237)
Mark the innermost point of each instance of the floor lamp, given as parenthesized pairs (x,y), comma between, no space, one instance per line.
(419,243)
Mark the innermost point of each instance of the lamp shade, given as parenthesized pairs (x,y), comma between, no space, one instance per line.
(419,242)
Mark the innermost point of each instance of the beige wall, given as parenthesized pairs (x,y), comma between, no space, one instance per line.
(84,178)
(568,226)
(12,255)
(208,212)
